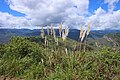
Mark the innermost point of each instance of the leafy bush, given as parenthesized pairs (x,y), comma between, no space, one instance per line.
(21,47)
(26,58)
(1,50)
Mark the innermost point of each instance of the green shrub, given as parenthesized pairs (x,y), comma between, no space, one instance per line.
(30,60)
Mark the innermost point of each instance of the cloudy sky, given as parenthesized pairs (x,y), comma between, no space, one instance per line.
(103,14)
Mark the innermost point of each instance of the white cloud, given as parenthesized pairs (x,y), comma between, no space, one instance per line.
(43,12)
(100,12)
(106,20)
(10,21)
(69,12)
(103,20)
(111,4)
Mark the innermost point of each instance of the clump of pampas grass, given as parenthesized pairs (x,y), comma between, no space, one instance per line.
(48,30)
(54,35)
(60,29)
(83,36)
(42,33)
(45,41)
(65,33)
(51,30)
(87,33)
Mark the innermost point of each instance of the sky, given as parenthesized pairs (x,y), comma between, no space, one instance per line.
(32,14)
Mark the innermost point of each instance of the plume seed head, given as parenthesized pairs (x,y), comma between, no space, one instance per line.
(47,30)
(60,29)
(63,35)
(66,51)
(81,32)
(45,40)
(54,35)
(89,26)
(66,31)
(51,30)
(42,32)
(83,36)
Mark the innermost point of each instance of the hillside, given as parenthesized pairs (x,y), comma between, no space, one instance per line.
(6,34)
(96,39)
(109,40)
(26,58)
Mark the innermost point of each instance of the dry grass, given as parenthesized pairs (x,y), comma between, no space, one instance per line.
(64,33)
(54,35)
(60,30)
(48,31)
(63,36)
(83,36)
(81,32)
(42,33)
(51,30)
(45,41)
(88,30)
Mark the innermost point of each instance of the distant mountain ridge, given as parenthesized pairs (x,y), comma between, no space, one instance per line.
(6,34)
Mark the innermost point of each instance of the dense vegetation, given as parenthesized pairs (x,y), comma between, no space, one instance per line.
(28,58)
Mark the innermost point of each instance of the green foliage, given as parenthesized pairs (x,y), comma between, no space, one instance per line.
(1,50)
(21,47)
(18,55)
(29,59)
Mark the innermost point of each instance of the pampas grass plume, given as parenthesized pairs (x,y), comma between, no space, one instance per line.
(89,26)
(42,32)
(84,32)
(60,29)
(81,32)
